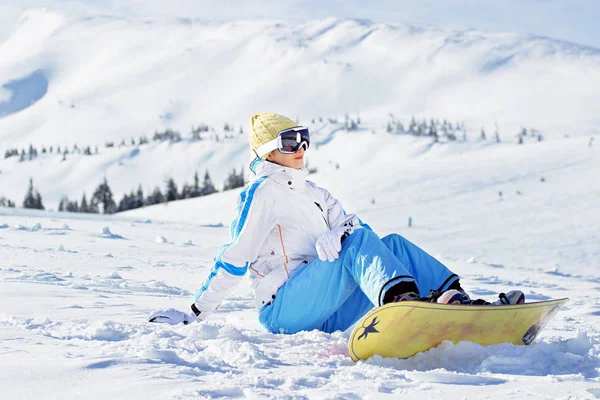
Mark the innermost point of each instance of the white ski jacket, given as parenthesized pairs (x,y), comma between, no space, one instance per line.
(280,216)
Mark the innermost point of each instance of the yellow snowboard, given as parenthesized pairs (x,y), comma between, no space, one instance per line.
(406,328)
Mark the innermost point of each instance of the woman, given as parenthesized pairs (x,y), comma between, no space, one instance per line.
(312,265)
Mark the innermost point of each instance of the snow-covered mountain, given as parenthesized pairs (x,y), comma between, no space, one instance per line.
(67,81)
(94,79)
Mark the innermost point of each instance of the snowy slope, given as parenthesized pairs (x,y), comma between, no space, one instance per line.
(452,189)
(110,78)
(74,295)
(75,289)
(68,81)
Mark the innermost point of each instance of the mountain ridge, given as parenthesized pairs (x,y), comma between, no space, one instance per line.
(111,75)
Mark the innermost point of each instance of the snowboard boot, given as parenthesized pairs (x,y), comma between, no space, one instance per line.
(453,296)
(402,291)
(409,296)
(459,297)
(510,298)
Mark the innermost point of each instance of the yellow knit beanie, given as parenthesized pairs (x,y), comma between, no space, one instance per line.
(265,127)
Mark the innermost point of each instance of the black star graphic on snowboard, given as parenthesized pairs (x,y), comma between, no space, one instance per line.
(369,329)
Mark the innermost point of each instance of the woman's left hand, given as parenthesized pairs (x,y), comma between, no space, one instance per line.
(171,316)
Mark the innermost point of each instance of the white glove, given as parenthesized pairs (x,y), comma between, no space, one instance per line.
(330,243)
(171,316)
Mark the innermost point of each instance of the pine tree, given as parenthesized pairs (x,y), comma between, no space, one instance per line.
(171,193)
(139,198)
(93,208)
(103,195)
(234,180)
(196,182)
(207,186)
(156,197)
(432,129)
(125,203)
(33,199)
(412,128)
(4,202)
(72,206)
(84,205)
(62,205)
(185,191)
(196,189)
(422,128)
(38,201)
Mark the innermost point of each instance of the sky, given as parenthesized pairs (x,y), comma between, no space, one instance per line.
(571,20)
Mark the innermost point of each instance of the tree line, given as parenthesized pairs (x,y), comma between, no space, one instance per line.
(103,200)
(432,128)
(197,133)
(446,129)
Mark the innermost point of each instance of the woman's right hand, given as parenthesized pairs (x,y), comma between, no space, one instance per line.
(330,243)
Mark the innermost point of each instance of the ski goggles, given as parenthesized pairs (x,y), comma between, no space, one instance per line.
(288,141)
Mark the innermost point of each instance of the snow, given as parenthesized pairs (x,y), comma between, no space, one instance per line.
(73,299)
(565,19)
(75,288)
(174,73)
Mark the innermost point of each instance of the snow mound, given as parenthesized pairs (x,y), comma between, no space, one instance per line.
(107,234)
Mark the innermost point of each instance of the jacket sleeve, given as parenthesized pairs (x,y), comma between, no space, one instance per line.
(248,231)
(337,216)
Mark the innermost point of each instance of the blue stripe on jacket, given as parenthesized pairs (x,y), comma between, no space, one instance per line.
(235,229)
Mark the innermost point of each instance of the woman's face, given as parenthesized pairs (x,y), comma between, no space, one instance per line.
(295,160)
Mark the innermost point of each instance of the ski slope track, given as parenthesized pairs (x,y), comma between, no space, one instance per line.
(75,288)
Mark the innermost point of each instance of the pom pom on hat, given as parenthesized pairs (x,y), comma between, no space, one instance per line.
(265,127)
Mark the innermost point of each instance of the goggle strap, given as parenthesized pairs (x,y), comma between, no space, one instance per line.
(268,147)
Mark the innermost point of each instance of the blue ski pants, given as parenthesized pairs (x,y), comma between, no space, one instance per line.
(331,296)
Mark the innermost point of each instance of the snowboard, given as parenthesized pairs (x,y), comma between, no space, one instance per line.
(404,329)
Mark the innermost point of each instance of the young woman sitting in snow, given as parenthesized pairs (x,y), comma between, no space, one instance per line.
(312,265)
